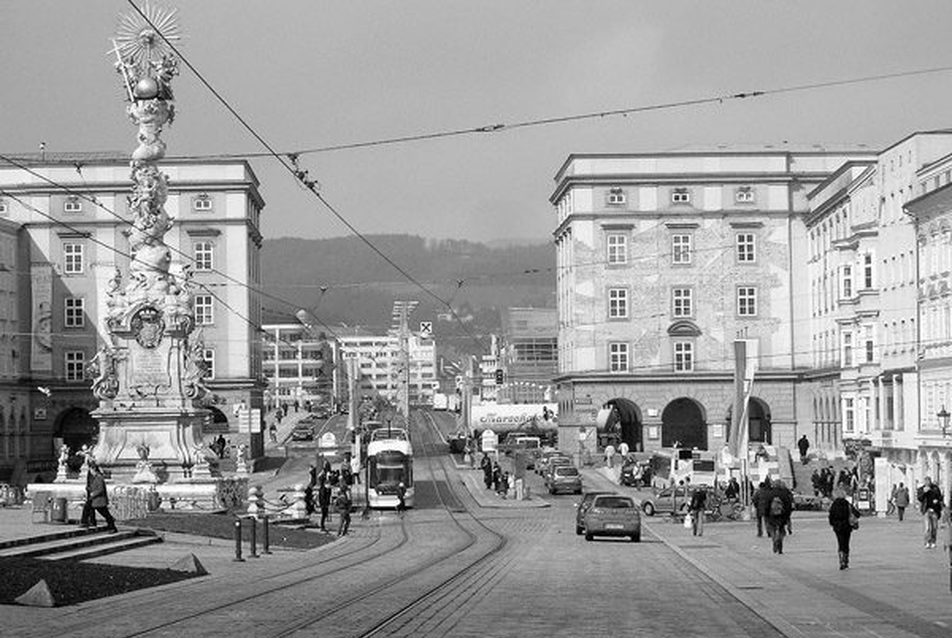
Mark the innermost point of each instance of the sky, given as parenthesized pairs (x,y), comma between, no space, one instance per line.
(308,73)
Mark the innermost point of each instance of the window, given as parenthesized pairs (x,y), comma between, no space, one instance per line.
(73,259)
(867,271)
(680,196)
(209,355)
(744,195)
(849,414)
(202,202)
(618,357)
(75,365)
(682,302)
(74,315)
(72,205)
(616,196)
(683,356)
(847,349)
(869,344)
(681,249)
(846,283)
(747,301)
(617,248)
(204,314)
(617,303)
(203,255)
(745,247)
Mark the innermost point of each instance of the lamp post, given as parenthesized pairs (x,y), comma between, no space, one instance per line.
(943,416)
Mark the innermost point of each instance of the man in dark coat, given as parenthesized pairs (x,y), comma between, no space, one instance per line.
(760,505)
(930,504)
(778,504)
(98,496)
(324,493)
(804,445)
(487,466)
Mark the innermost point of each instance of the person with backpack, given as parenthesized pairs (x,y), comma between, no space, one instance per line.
(776,514)
(930,504)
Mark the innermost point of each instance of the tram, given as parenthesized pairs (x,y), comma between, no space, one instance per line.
(389,462)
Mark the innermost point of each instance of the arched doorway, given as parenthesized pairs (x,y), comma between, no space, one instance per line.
(218,424)
(683,423)
(759,420)
(625,419)
(77,428)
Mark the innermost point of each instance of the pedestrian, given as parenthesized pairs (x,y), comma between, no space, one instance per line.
(221,444)
(487,466)
(786,495)
(930,504)
(284,408)
(324,494)
(623,449)
(273,431)
(497,477)
(344,504)
(732,490)
(401,499)
(804,445)
(697,509)
(278,415)
(88,517)
(844,518)
(308,405)
(609,455)
(297,405)
(901,500)
(98,495)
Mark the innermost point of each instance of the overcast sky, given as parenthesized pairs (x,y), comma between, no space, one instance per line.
(309,74)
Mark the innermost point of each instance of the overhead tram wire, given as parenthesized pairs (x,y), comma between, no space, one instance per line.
(290,165)
(502,127)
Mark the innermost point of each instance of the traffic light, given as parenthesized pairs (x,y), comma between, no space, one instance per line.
(499,376)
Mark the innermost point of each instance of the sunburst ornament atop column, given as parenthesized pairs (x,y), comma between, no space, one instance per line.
(144,53)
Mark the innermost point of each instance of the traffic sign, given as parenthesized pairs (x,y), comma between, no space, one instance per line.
(426,328)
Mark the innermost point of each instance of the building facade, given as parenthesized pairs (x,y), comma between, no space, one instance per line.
(71,215)
(528,355)
(380,366)
(299,366)
(664,260)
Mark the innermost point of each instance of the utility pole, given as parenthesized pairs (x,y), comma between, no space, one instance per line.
(403,383)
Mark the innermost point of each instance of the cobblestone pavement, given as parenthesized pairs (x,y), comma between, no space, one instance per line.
(522,571)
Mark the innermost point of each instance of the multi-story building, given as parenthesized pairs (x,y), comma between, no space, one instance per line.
(528,355)
(300,366)
(664,260)
(72,218)
(380,368)
(488,367)
(928,448)
(869,342)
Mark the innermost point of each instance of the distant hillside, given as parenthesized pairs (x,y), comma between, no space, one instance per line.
(360,287)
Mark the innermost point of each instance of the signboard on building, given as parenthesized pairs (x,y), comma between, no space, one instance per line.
(426,329)
(510,416)
(490,441)
(249,421)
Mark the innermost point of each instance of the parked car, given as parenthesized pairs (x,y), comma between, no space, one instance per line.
(667,501)
(582,507)
(554,462)
(564,478)
(542,463)
(302,432)
(612,515)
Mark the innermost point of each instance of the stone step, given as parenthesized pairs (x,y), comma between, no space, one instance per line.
(57,545)
(67,532)
(110,547)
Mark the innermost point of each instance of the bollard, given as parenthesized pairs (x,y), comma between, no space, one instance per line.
(254,538)
(238,558)
(266,541)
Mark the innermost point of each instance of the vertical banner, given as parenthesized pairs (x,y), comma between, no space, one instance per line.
(41,341)
(739,411)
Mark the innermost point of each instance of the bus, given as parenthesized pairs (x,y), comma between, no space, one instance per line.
(389,463)
(671,466)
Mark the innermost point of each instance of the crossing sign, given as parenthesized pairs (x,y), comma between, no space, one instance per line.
(426,328)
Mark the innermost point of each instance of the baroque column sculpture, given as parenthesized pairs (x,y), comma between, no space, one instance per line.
(149,375)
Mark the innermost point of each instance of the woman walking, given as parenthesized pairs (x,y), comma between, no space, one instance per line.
(844,518)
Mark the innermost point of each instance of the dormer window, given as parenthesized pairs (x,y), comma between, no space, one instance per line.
(616,197)
(202,202)
(680,196)
(72,205)
(744,195)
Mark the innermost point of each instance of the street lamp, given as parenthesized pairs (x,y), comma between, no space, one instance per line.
(943,416)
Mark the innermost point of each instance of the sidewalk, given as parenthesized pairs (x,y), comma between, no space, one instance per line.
(473,480)
(894,586)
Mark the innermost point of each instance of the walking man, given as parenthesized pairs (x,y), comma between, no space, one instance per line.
(697,509)
(98,496)
(804,445)
(324,494)
(344,503)
(901,500)
(401,499)
(930,503)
